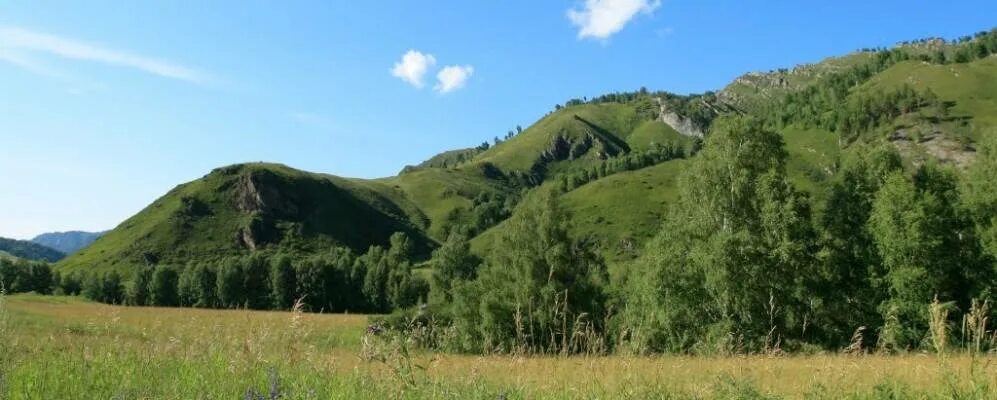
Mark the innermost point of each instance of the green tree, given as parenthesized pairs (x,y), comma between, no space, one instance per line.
(188,285)
(849,259)
(137,293)
(537,282)
(163,287)
(104,288)
(343,286)
(70,284)
(928,249)
(452,262)
(733,256)
(310,276)
(8,275)
(256,282)
(230,284)
(979,194)
(282,282)
(198,286)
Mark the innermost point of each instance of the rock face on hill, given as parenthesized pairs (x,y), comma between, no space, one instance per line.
(679,123)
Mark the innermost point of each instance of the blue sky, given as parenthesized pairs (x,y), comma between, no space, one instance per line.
(104,106)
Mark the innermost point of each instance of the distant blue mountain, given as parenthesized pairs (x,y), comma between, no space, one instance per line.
(67,242)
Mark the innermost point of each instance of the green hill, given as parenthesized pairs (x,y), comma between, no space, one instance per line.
(255,207)
(615,158)
(7,256)
(29,251)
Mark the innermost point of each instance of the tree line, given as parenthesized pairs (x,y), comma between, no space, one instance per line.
(657,153)
(378,281)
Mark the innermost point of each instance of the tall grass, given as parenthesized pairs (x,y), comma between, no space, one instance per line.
(6,340)
(66,348)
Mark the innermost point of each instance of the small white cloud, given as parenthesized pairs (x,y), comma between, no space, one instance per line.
(453,77)
(600,19)
(30,41)
(413,67)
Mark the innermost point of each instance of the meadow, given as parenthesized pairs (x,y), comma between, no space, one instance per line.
(55,347)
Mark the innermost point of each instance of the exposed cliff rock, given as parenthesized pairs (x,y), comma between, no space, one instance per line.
(679,123)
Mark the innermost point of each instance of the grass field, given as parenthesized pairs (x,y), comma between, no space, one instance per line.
(66,348)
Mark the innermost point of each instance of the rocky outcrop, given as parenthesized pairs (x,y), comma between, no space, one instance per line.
(679,123)
(253,195)
(918,147)
(559,149)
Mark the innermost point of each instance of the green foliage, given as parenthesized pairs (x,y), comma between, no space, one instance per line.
(18,276)
(163,287)
(137,292)
(850,261)
(979,194)
(452,264)
(231,289)
(29,250)
(928,248)
(535,289)
(283,282)
(389,282)
(197,286)
(733,257)
(256,282)
(105,288)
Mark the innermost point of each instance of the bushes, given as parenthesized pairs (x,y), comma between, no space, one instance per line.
(26,276)
(137,293)
(534,292)
(105,288)
(163,287)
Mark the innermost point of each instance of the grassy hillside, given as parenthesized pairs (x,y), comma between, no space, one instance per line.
(242,208)
(621,211)
(266,207)
(970,89)
(612,128)
(438,192)
(7,256)
(29,251)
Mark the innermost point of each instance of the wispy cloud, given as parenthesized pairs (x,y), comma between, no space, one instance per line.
(600,19)
(453,77)
(413,67)
(27,63)
(21,42)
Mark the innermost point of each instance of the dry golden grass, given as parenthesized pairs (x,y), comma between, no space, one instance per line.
(226,348)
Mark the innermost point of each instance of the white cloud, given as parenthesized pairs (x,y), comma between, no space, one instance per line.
(30,41)
(413,67)
(453,77)
(27,63)
(600,19)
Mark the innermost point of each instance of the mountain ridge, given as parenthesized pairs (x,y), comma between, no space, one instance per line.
(608,155)
(67,242)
